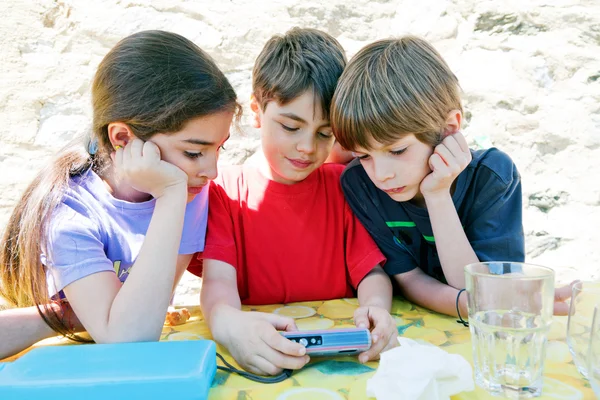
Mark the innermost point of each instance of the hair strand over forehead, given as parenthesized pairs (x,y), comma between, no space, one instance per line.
(392,88)
(302,59)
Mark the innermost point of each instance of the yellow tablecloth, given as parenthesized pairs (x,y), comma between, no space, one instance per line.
(345,377)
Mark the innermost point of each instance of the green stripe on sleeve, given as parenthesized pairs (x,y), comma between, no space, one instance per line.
(400,224)
(429,238)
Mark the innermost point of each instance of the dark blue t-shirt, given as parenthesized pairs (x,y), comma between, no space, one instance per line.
(487,198)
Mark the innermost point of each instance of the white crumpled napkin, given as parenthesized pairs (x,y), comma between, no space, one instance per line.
(416,371)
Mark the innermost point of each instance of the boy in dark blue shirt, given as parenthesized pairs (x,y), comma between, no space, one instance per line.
(431,204)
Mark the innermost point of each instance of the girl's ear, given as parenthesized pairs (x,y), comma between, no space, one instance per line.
(255,107)
(453,122)
(119,134)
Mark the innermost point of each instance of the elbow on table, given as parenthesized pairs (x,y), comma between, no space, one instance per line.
(127,336)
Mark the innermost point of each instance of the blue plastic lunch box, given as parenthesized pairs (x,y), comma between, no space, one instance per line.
(152,370)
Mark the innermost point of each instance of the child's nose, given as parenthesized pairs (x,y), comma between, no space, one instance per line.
(382,171)
(210,171)
(306,144)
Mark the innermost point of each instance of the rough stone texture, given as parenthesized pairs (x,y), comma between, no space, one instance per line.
(530,72)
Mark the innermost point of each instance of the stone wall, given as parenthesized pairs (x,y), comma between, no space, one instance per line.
(530,72)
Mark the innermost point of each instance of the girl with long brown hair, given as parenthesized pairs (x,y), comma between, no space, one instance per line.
(109,227)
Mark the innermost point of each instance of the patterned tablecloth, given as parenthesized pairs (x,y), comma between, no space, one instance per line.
(345,378)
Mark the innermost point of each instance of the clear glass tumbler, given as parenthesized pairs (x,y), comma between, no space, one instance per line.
(584,298)
(593,356)
(510,312)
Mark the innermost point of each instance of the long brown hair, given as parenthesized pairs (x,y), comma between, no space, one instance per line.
(153,81)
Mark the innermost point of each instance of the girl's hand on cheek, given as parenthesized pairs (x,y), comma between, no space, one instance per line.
(448,160)
(139,164)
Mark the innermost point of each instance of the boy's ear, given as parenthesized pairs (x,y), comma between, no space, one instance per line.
(119,134)
(453,122)
(255,107)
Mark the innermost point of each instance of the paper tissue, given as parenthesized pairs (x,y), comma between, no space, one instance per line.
(416,371)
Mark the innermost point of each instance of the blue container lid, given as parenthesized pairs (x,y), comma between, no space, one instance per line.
(178,370)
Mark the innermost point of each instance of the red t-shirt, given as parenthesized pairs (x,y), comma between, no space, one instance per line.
(288,243)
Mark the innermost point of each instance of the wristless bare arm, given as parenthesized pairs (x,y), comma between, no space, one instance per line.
(453,246)
(219,292)
(426,291)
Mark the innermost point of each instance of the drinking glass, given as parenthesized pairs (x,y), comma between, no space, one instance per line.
(510,312)
(584,298)
(593,356)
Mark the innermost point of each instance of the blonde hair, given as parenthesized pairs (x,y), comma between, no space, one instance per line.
(392,88)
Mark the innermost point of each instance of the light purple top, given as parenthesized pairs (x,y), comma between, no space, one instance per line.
(91,231)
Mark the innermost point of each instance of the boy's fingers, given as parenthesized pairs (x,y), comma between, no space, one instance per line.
(381,332)
(361,318)
(436,163)
(291,362)
(561,308)
(570,286)
(462,141)
(392,342)
(261,366)
(442,151)
(380,336)
(373,352)
(385,328)
(283,360)
(282,344)
(281,323)
(447,156)
(563,293)
(453,146)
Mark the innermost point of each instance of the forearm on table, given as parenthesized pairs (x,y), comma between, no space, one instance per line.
(428,292)
(137,312)
(453,247)
(218,299)
(21,328)
(375,289)
(183,260)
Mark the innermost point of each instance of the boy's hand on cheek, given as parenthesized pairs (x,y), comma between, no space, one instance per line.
(384,333)
(448,160)
(257,346)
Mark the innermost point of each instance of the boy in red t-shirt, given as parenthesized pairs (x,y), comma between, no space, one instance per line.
(280,231)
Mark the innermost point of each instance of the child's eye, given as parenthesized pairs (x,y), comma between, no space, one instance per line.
(192,155)
(397,152)
(361,156)
(325,135)
(221,147)
(288,128)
